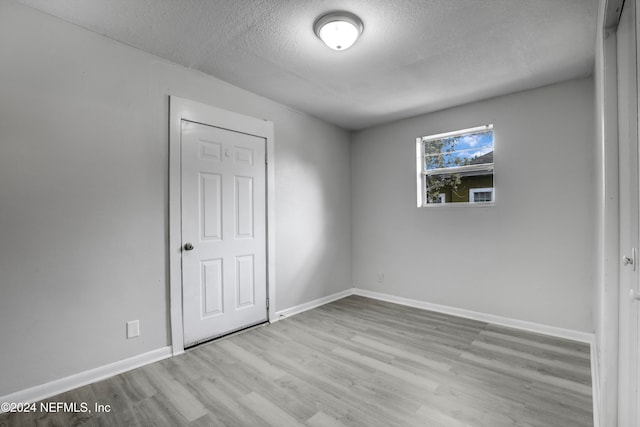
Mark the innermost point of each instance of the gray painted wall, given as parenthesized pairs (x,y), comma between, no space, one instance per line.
(84,197)
(531,256)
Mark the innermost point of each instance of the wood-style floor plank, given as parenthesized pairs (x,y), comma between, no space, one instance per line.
(354,362)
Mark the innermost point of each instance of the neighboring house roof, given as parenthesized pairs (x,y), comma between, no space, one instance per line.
(485,158)
(482,165)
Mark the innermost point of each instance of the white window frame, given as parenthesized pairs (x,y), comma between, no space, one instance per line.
(421,174)
(473,191)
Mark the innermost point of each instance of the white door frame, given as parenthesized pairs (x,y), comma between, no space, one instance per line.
(628,119)
(629,213)
(179,109)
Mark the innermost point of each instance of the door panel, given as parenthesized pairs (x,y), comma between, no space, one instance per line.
(244,207)
(212,287)
(211,215)
(245,283)
(224,218)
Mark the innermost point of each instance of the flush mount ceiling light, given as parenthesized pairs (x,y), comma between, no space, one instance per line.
(338,30)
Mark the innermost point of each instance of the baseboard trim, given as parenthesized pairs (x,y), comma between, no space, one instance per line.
(71,382)
(292,311)
(569,334)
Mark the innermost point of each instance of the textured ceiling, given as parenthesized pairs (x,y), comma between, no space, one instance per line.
(414,56)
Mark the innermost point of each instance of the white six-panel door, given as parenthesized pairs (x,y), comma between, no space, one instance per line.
(224,286)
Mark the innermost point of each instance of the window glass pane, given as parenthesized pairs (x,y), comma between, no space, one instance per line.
(462,150)
(455,163)
(483,196)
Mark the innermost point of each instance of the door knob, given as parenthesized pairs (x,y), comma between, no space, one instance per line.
(626,260)
(188,247)
(635,296)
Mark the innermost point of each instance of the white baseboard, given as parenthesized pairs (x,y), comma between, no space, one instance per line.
(61,385)
(570,334)
(291,311)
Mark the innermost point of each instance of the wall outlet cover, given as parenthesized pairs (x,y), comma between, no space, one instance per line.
(133,329)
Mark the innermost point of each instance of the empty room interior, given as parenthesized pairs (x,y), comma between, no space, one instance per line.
(223,213)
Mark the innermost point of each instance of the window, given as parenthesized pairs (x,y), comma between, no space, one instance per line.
(480,195)
(456,167)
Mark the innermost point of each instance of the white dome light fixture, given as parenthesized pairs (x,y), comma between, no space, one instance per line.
(338,30)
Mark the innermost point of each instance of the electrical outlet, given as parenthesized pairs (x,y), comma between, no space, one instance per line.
(380,277)
(133,329)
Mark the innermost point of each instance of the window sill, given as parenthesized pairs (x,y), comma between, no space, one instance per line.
(456,205)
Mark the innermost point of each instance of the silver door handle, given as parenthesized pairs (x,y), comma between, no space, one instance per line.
(188,247)
(635,296)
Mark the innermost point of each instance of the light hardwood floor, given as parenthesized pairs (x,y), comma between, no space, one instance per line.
(354,362)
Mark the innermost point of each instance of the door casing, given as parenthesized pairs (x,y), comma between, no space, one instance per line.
(184,109)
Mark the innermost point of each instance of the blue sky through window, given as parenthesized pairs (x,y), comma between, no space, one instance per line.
(458,150)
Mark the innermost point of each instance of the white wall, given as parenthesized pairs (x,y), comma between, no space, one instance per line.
(531,256)
(84,197)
